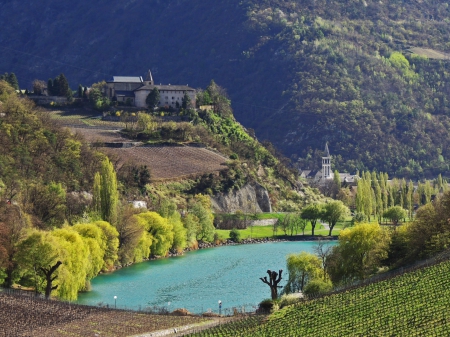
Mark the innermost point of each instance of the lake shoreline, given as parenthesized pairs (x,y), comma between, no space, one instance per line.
(228,242)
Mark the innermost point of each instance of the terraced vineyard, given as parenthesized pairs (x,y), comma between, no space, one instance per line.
(94,135)
(171,162)
(33,317)
(412,304)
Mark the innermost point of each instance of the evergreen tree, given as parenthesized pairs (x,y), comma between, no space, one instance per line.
(186,103)
(153,98)
(62,86)
(12,80)
(80,91)
(50,89)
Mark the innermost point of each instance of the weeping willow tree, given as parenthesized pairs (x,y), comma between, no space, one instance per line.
(161,231)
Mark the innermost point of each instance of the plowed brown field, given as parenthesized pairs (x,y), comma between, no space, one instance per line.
(172,162)
(93,135)
(31,317)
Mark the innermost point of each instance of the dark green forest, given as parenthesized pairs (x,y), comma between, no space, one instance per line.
(298,72)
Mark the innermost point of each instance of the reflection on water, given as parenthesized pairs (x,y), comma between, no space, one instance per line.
(197,280)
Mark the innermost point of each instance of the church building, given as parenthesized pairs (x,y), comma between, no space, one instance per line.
(134,90)
(325,175)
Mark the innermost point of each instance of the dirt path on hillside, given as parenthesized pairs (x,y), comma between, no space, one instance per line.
(182,330)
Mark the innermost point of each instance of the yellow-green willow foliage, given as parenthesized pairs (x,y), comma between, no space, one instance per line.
(109,243)
(74,254)
(40,249)
(179,232)
(37,250)
(142,249)
(92,237)
(161,231)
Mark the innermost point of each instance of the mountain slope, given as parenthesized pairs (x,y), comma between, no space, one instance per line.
(299,72)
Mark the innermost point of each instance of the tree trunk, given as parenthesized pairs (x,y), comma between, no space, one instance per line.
(48,276)
(331,229)
(274,279)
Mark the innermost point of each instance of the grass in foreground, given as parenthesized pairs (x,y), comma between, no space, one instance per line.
(412,304)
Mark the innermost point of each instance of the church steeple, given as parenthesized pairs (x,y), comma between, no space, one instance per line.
(327,152)
(326,164)
(149,78)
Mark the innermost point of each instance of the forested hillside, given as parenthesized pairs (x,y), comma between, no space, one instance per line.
(299,72)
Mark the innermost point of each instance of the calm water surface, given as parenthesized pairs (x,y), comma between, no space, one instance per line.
(197,280)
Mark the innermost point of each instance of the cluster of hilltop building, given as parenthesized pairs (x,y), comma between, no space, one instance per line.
(134,90)
(325,175)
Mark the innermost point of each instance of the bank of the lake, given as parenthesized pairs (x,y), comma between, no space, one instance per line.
(197,280)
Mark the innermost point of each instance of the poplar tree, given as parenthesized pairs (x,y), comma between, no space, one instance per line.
(410,199)
(106,195)
(337,180)
(50,89)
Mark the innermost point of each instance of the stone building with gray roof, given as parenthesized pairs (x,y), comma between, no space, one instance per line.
(134,90)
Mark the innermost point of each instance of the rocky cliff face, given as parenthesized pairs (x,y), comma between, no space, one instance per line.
(249,199)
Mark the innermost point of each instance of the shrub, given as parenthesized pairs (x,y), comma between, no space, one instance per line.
(290,299)
(358,218)
(317,286)
(235,235)
(268,305)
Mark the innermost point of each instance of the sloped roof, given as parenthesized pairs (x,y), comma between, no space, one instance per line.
(127,79)
(166,87)
(327,152)
(305,173)
(149,76)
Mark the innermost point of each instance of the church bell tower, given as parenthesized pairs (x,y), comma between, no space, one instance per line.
(149,78)
(326,164)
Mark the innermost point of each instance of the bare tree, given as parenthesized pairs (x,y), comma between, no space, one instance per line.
(39,87)
(274,279)
(323,250)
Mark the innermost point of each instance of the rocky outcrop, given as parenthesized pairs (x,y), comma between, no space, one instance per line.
(248,199)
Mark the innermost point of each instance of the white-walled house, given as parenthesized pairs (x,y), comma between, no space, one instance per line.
(135,90)
(169,95)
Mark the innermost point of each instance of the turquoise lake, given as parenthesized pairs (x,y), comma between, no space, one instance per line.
(197,280)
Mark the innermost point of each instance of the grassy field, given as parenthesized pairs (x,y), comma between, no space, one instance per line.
(430,53)
(259,232)
(82,117)
(411,304)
